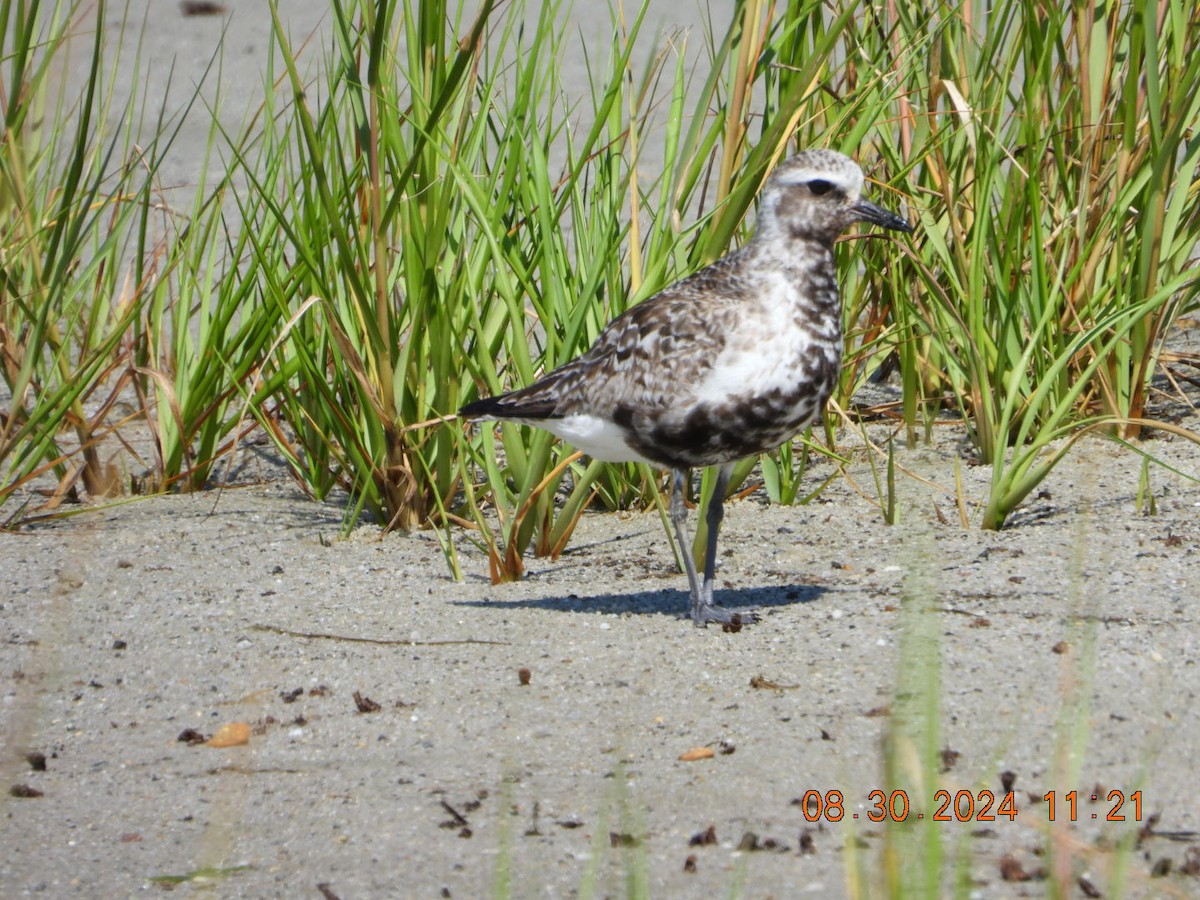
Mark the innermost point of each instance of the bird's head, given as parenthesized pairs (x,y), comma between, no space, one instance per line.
(816,195)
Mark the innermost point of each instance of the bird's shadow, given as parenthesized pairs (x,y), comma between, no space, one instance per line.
(666,602)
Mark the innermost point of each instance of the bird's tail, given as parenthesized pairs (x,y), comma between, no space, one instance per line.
(528,403)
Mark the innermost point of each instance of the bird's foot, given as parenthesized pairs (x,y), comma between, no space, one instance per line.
(731,619)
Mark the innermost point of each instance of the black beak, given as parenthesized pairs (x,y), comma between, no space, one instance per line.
(877,215)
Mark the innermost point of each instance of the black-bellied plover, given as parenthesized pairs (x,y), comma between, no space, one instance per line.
(731,361)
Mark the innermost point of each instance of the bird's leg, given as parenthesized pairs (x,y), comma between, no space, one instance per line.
(713,516)
(679,520)
(703,608)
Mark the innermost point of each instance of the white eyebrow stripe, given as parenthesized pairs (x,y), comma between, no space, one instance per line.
(843,180)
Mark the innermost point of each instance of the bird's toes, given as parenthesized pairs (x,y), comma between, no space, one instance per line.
(729,619)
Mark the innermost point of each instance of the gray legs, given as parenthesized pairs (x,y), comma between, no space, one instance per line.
(703,608)
(679,520)
(714,515)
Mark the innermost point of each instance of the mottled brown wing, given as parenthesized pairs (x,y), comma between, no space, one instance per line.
(649,359)
(654,356)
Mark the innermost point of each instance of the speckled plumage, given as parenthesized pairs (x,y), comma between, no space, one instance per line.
(731,361)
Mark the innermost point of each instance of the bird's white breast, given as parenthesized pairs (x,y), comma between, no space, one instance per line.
(767,352)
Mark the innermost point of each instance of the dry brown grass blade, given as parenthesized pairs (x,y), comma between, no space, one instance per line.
(510,566)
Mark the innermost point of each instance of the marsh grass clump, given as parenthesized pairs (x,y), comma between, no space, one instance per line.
(424,212)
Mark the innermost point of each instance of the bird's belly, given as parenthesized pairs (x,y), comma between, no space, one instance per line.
(760,421)
(598,437)
(744,416)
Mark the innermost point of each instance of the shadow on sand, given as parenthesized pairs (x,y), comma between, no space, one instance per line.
(663,602)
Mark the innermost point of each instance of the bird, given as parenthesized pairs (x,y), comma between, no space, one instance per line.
(726,363)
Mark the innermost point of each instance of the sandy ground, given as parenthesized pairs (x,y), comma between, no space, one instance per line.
(394,750)
(1068,648)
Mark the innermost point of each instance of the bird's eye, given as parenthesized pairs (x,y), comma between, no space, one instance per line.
(820,186)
